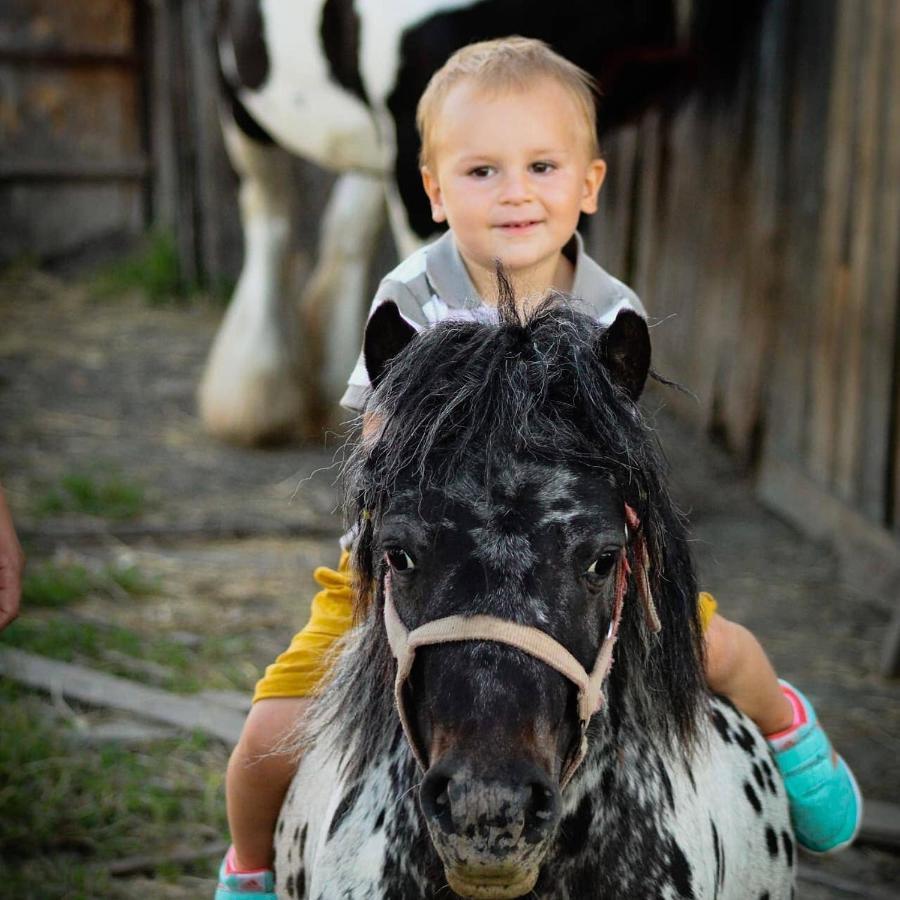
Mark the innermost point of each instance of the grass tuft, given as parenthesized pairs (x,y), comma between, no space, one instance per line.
(50,585)
(53,585)
(108,496)
(66,808)
(153,269)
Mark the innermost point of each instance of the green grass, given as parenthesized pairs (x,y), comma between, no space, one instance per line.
(52,585)
(108,495)
(66,808)
(153,269)
(218,663)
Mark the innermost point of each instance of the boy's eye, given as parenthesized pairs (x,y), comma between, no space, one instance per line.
(542,167)
(481,171)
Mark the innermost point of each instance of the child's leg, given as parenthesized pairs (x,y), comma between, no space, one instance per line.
(737,666)
(261,769)
(825,802)
(258,778)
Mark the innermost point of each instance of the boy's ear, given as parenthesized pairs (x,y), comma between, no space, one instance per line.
(593,181)
(387,333)
(625,352)
(433,189)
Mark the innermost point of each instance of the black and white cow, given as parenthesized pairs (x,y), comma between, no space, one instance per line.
(479,737)
(337,82)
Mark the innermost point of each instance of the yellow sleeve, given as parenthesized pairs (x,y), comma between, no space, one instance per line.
(708,606)
(299,671)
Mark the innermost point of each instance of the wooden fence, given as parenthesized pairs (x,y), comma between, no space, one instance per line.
(765,235)
(763,231)
(73,165)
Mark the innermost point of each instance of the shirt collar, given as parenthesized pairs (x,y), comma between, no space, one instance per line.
(451,282)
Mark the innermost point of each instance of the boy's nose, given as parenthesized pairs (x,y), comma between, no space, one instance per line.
(516,189)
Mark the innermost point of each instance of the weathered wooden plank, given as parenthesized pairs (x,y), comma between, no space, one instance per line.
(879,457)
(829,322)
(74,169)
(219,239)
(857,250)
(809,72)
(757,239)
(100,689)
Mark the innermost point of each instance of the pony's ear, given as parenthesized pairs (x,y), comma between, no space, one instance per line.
(387,333)
(625,351)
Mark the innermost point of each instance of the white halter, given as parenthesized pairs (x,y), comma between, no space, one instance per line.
(533,641)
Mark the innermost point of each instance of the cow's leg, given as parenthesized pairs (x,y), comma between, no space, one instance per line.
(333,304)
(250,391)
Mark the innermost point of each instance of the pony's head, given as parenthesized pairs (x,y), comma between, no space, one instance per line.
(495,479)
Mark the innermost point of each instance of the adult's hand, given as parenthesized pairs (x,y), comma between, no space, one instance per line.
(12,564)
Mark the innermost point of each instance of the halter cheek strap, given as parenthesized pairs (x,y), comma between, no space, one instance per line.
(533,641)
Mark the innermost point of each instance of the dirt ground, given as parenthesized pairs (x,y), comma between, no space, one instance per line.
(107,386)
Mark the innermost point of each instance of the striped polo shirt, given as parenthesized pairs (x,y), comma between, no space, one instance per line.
(432,285)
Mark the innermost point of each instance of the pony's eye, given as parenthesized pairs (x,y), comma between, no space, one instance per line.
(399,560)
(601,567)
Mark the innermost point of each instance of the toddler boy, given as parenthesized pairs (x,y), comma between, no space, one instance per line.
(509,162)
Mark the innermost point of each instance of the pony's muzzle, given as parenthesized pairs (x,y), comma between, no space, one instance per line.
(491,831)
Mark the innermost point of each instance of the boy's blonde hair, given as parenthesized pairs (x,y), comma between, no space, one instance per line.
(511,63)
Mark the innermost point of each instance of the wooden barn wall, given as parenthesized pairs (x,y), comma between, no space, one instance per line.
(763,236)
(72,168)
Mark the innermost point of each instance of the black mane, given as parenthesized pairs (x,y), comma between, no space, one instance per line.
(532,385)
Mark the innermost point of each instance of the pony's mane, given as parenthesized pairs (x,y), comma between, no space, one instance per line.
(465,394)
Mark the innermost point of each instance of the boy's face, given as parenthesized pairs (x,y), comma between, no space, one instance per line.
(510,172)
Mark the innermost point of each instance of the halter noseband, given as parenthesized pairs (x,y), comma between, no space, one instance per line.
(533,641)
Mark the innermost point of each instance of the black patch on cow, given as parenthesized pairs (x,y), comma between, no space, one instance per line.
(339,30)
(243,120)
(788,843)
(379,821)
(300,882)
(302,841)
(241,23)
(680,870)
(771,841)
(765,896)
(751,796)
(348,801)
(280,829)
(289,886)
(574,829)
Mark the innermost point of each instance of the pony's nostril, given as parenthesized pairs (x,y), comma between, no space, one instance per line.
(541,811)
(435,800)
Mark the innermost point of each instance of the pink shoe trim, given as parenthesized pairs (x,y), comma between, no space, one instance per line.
(231,865)
(800,717)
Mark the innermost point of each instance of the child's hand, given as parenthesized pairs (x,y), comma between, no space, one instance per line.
(12,564)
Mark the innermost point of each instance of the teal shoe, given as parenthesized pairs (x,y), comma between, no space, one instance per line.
(259,885)
(825,802)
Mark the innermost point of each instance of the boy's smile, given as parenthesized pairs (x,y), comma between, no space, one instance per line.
(511,173)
